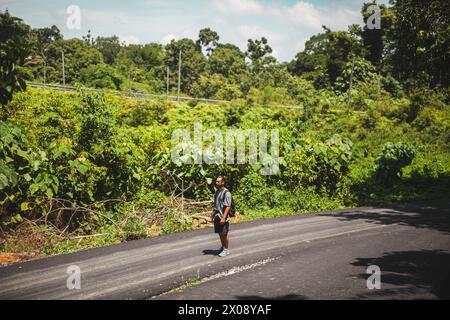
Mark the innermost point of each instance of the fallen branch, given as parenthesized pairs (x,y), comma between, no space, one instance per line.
(201,218)
(198,203)
(88,236)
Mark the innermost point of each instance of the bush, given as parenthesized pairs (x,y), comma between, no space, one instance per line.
(101,76)
(304,200)
(175,223)
(133,227)
(20,169)
(147,113)
(151,199)
(391,85)
(363,71)
(215,87)
(393,158)
(254,192)
(323,165)
(97,120)
(422,98)
(90,149)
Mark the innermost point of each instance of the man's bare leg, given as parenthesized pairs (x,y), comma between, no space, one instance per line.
(224,239)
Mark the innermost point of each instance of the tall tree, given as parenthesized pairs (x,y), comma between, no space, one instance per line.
(144,57)
(14,49)
(193,63)
(88,38)
(326,56)
(207,40)
(312,58)
(41,39)
(228,61)
(421,42)
(258,51)
(78,55)
(109,47)
(377,41)
(142,63)
(340,48)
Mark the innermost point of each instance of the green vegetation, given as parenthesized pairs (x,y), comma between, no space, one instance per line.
(81,169)
(99,165)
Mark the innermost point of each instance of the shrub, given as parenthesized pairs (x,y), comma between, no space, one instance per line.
(309,200)
(391,85)
(147,113)
(252,190)
(101,76)
(133,227)
(20,167)
(175,223)
(393,158)
(323,165)
(97,120)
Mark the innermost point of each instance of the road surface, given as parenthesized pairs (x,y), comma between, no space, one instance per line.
(320,256)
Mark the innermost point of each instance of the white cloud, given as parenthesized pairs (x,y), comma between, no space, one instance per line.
(256,32)
(238,7)
(129,39)
(276,40)
(310,18)
(168,38)
(162,3)
(248,32)
(342,18)
(301,14)
(286,26)
(300,45)
(138,27)
(276,52)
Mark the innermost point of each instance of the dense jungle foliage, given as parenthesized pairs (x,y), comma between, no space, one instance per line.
(84,169)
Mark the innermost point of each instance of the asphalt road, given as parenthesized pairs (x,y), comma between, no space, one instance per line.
(321,256)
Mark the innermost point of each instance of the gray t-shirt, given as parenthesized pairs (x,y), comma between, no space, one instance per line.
(220,205)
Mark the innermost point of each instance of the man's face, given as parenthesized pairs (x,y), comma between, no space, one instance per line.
(219,183)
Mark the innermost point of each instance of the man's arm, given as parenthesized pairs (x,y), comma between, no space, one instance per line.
(227,205)
(225,215)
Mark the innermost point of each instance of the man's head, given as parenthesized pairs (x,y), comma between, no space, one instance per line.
(220,182)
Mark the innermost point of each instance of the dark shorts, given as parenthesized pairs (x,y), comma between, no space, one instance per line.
(221,228)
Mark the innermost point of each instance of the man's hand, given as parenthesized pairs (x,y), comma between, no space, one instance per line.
(224,218)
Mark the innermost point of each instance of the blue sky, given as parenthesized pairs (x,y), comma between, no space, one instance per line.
(286,23)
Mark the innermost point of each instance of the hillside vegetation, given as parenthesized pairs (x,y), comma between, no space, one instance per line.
(85,169)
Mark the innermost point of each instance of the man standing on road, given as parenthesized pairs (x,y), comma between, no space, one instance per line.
(220,214)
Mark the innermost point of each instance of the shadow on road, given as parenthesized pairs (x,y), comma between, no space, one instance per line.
(425,271)
(426,214)
(211,252)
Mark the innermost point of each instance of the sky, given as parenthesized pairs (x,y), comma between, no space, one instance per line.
(287,24)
